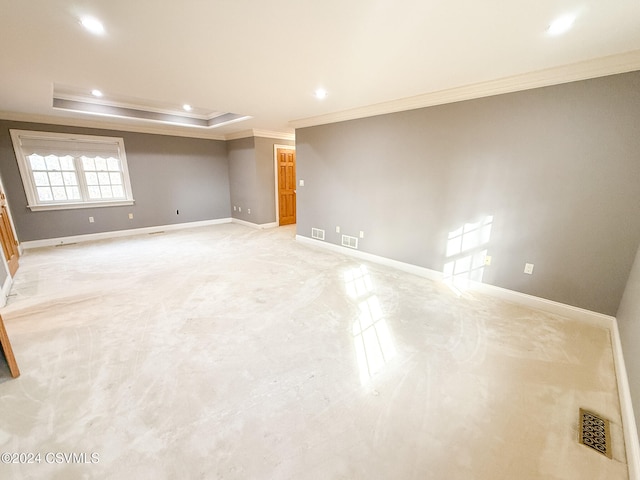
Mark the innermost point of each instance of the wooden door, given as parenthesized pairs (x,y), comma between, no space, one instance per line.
(7,237)
(8,351)
(286,185)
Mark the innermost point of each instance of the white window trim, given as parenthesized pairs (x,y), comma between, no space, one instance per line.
(27,177)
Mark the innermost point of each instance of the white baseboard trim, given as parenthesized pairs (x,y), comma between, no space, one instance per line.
(259,226)
(593,318)
(629,427)
(50,242)
(6,289)
(405,267)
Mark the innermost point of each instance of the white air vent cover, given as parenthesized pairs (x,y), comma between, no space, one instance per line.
(351,242)
(317,233)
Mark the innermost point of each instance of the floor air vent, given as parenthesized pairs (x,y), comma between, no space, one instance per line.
(317,233)
(595,433)
(351,242)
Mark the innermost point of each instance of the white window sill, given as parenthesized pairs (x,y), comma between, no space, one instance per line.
(68,206)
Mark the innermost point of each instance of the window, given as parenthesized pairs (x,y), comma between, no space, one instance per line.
(62,171)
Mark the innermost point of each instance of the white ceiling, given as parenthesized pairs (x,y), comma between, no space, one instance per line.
(266,58)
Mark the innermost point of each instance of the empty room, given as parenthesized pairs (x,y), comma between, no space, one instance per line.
(320,240)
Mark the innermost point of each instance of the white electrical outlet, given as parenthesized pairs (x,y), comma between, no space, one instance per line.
(240,209)
(235,208)
(249,211)
(528,268)
(302,183)
(361,234)
(131,216)
(90,219)
(487,260)
(337,229)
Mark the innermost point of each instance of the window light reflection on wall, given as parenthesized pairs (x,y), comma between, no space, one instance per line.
(466,253)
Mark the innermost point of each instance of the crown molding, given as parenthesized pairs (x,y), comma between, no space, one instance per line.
(273,134)
(105,125)
(261,133)
(154,130)
(597,67)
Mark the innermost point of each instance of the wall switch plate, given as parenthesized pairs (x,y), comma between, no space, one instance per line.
(487,260)
(235,208)
(302,183)
(90,219)
(131,216)
(249,211)
(528,268)
(361,234)
(240,209)
(337,229)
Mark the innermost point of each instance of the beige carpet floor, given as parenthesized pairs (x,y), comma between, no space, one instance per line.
(225,352)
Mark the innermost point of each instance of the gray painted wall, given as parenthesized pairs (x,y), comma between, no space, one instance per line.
(168,175)
(265,173)
(629,326)
(252,178)
(242,178)
(557,168)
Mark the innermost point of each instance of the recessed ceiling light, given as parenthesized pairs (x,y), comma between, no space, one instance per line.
(96,93)
(320,93)
(186,107)
(93,25)
(561,25)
